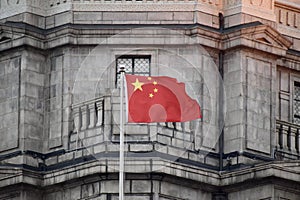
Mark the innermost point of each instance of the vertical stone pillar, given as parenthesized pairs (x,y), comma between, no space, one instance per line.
(77,119)
(84,117)
(92,111)
(99,107)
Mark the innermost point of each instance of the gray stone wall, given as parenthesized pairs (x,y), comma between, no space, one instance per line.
(9,93)
(32,100)
(250,82)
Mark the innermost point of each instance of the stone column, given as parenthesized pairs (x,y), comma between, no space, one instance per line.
(77,119)
(92,111)
(99,107)
(84,117)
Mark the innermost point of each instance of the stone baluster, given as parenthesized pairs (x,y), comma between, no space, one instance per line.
(280,136)
(289,136)
(77,119)
(92,111)
(84,117)
(297,140)
(99,107)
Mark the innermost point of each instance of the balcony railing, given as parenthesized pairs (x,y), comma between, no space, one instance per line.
(287,140)
(88,120)
(88,115)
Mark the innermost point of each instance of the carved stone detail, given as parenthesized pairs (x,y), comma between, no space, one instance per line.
(262,3)
(231,3)
(7,3)
(256,2)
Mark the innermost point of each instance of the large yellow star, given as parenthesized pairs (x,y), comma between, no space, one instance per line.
(137,85)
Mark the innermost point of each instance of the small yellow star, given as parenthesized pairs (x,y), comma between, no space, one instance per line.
(155,90)
(154,83)
(137,85)
(149,78)
(151,95)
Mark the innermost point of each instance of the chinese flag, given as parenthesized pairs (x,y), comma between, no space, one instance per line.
(159,99)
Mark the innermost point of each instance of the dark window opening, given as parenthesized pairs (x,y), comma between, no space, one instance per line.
(296,103)
(134,64)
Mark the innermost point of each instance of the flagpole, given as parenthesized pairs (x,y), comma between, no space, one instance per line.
(121,163)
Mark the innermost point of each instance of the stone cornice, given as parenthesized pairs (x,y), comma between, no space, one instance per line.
(288,4)
(285,171)
(261,37)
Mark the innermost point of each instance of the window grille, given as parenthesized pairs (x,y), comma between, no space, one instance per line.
(137,65)
(296,103)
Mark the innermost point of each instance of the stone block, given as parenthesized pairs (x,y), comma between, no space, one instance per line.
(236,144)
(161,148)
(51,161)
(63,18)
(233,132)
(133,197)
(160,16)
(136,129)
(75,192)
(178,153)
(90,189)
(111,186)
(92,141)
(99,148)
(179,191)
(65,157)
(184,16)
(140,147)
(235,117)
(87,16)
(167,131)
(205,19)
(233,20)
(182,135)
(234,77)
(140,186)
(11,119)
(182,143)
(164,139)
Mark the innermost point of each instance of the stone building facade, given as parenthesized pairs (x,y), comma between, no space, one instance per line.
(59,99)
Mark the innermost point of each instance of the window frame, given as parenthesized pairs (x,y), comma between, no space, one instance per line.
(132,57)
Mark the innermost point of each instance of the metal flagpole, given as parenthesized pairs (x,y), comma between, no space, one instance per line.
(121,163)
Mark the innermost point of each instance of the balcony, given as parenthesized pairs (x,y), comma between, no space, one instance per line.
(287,141)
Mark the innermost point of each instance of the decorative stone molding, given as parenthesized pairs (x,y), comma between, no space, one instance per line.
(263,9)
(52,7)
(260,37)
(8,3)
(288,18)
(262,3)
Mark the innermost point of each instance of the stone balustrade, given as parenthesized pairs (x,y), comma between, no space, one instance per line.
(88,115)
(288,138)
(288,16)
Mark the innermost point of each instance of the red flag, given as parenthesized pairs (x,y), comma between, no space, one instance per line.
(159,99)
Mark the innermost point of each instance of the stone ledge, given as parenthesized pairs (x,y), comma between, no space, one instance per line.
(281,170)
